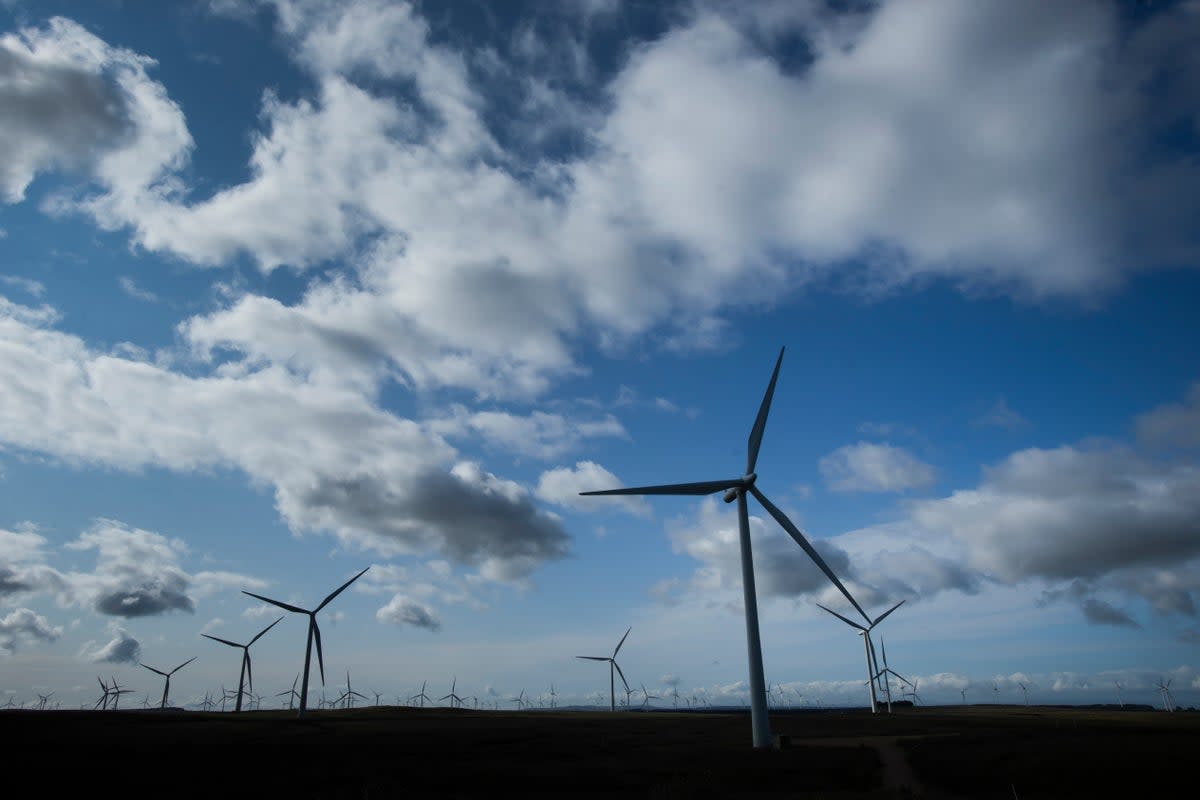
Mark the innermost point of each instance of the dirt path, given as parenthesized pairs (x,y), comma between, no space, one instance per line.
(897,773)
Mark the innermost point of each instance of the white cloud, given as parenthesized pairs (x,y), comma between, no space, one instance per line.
(537,434)
(562,486)
(130,287)
(336,462)
(1175,425)
(27,285)
(401,610)
(21,626)
(122,648)
(870,467)
(1001,416)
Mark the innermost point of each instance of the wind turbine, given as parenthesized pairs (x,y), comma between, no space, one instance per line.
(291,693)
(1119,700)
(963,692)
(246,671)
(736,489)
(868,648)
(167,675)
(117,691)
(349,695)
(455,700)
(1165,690)
(916,698)
(421,696)
(519,700)
(647,697)
(995,692)
(314,632)
(553,697)
(102,703)
(885,672)
(42,700)
(1025,691)
(612,664)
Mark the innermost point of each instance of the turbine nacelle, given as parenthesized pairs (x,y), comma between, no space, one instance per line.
(732,492)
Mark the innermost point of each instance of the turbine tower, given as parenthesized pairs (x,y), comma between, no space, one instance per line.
(1119,700)
(612,664)
(868,648)
(167,675)
(736,489)
(348,696)
(246,671)
(885,672)
(314,633)
(455,700)
(420,696)
(1025,691)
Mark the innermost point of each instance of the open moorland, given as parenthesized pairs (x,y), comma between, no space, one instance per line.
(379,752)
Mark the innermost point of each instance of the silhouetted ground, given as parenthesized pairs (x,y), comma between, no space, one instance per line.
(383,752)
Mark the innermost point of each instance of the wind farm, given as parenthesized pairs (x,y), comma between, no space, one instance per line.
(412,340)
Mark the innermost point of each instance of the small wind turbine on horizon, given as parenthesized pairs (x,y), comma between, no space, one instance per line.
(420,695)
(167,675)
(347,697)
(612,664)
(291,694)
(1025,691)
(455,700)
(245,648)
(314,633)
(647,697)
(737,489)
(885,673)
(1119,700)
(117,690)
(1165,690)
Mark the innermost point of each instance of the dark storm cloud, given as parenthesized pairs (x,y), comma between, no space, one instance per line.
(143,598)
(466,515)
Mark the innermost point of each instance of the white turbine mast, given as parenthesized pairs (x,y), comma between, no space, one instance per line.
(613,665)
(868,648)
(314,633)
(736,489)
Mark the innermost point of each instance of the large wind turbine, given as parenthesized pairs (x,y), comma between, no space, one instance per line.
(246,671)
(865,632)
(314,632)
(612,664)
(167,675)
(736,489)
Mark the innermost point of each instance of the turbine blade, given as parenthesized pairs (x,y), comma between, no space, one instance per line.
(623,638)
(249,671)
(701,488)
(320,658)
(184,664)
(264,630)
(622,674)
(795,533)
(287,606)
(850,622)
(901,677)
(219,639)
(760,422)
(594,658)
(339,590)
(883,616)
(152,669)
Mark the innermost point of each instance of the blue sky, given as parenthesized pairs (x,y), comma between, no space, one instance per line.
(292,288)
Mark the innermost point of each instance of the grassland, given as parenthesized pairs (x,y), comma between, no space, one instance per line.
(382,752)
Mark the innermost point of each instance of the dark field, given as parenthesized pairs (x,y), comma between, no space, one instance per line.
(383,752)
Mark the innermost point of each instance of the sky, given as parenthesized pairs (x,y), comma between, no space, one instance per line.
(290,289)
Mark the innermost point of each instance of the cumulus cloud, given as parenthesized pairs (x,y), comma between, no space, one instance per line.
(122,648)
(781,568)
(538,434)
(27,285)
(401,610)
(130,287)
(1104,515)
(562,486)
(1175,425)
(22,567)
(22,625)
(137,571)
(871,467)
(337,462)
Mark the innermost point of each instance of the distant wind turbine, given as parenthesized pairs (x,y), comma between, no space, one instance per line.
(1025,691)
(1119,700)
(314,632)
(291,693)
(167,675)
(612,665)
(1165,690)
(736,489)
(865,632)
(347,697)
(420,696)
(117,690)
(885,673)
(246,672)
(647,697)
(455,700)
